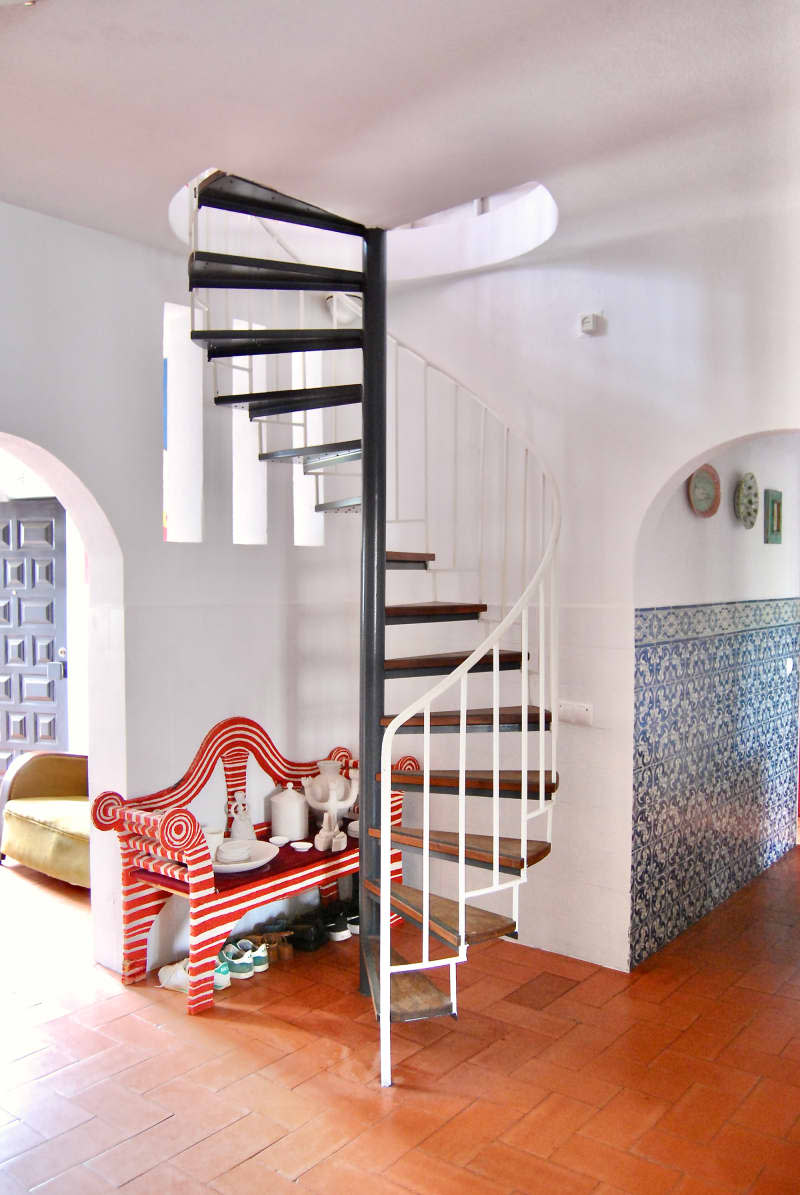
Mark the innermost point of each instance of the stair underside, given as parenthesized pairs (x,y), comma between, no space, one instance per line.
(478,720)
(224,342)
(479,783)
(480,925)
(224,270)
(349,505)
(231,193)
(409,560)
(343,453)
(283,402)
(433,612)
(443,662)
(414,997)
(478,848)
(288,455)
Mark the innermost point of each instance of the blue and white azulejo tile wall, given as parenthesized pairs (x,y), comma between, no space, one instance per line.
(715,757)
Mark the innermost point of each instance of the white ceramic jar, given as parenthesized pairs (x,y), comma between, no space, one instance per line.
(289,813)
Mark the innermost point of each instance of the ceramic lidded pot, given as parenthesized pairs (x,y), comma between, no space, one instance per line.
(289,813)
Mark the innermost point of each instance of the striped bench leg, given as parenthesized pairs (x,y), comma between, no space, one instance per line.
(141,904)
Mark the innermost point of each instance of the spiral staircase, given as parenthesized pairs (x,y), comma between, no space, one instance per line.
(484,811)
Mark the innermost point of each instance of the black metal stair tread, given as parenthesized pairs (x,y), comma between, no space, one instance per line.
(231,193)
(409,559)
(443,662)
(478,848)
(480,924)
(309,450)
(414,997)
(478,782)
(282,402)
(477,719)
(226,270)
(434,612)
(336,454)
(335,504)
(226,342)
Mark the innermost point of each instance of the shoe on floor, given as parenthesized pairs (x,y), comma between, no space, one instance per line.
(260,953)
(240,962)
(175,976)
(337,928)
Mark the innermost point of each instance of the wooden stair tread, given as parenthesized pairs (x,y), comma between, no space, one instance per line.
(478,781)
(484,717)
(412,609)
(442,662)
(477,847)
(480,924)
(409,557)
(414,996)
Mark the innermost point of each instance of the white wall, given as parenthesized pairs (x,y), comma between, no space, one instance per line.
(700,348)
(682,559)
(210,629)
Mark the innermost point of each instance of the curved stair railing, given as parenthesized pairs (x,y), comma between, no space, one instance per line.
(453,921)
(523,636)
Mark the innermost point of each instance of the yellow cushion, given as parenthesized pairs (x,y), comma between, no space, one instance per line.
(50,835)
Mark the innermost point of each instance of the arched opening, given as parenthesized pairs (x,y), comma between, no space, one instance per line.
(717,639)
(104,662)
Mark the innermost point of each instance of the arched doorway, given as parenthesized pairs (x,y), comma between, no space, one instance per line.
(105,665)
(717,640)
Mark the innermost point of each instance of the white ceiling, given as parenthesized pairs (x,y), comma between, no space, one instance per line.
(382,110)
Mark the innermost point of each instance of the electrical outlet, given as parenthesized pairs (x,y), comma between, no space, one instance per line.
(578,712)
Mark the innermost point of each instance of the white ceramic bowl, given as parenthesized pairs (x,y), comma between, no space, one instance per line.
(233,850)
(301,846)
(278,840)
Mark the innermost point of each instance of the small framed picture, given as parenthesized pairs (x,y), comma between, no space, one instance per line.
(773,516)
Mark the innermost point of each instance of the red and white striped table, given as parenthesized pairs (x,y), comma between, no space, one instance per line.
(164,853)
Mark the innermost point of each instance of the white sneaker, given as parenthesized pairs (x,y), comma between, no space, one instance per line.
(260,954)
(175,976)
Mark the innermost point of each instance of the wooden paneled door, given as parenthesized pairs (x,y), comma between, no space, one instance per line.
(33,627)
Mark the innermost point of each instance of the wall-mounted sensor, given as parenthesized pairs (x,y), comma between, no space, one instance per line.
(592,325)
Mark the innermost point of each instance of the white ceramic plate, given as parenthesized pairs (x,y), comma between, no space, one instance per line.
(301,846)
(278,840)
(260,853)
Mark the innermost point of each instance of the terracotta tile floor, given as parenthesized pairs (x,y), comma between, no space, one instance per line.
(558,1077)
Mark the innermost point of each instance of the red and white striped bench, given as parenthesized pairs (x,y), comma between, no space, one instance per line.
(164,853)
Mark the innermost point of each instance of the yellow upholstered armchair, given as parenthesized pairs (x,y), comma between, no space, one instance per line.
(46,814)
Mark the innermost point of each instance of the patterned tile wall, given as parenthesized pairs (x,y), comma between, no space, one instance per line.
(715,757)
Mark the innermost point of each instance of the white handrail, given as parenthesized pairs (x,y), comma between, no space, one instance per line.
(535,588)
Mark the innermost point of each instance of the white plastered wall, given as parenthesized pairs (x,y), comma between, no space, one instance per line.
(699,348)
(197,632)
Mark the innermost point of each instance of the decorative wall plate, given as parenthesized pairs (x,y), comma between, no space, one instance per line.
(704,491)
(745,500)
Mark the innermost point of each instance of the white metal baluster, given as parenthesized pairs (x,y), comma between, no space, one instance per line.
(542,696)
(462,813)
(453,990)
(426,833)
(384,939)
(503,575)
(554,662)
(481,529)
(526,461)
(456,462)
(523,796)
(496,764)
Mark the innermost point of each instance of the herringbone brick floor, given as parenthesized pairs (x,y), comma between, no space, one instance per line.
(559,1077)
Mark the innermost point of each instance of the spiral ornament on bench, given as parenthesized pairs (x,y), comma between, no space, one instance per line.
(179,830)
(106,810)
